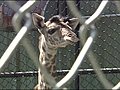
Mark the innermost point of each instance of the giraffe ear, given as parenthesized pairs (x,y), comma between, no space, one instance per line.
(73,22)
(38,20)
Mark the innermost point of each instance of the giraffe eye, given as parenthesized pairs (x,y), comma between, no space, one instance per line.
(51,31)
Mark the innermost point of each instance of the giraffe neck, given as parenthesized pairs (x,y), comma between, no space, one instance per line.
(47,58)
(47,55)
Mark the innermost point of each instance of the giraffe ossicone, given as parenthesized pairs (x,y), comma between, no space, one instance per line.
(55,33)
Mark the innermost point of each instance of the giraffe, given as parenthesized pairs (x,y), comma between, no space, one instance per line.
(57,32)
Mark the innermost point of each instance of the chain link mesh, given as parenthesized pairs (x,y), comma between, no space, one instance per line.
(106,46)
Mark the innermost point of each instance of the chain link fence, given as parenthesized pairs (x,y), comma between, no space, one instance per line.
(19,71)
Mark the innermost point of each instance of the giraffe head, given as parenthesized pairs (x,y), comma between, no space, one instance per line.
(58,31)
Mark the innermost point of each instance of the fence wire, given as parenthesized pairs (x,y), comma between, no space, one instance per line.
(20,72)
